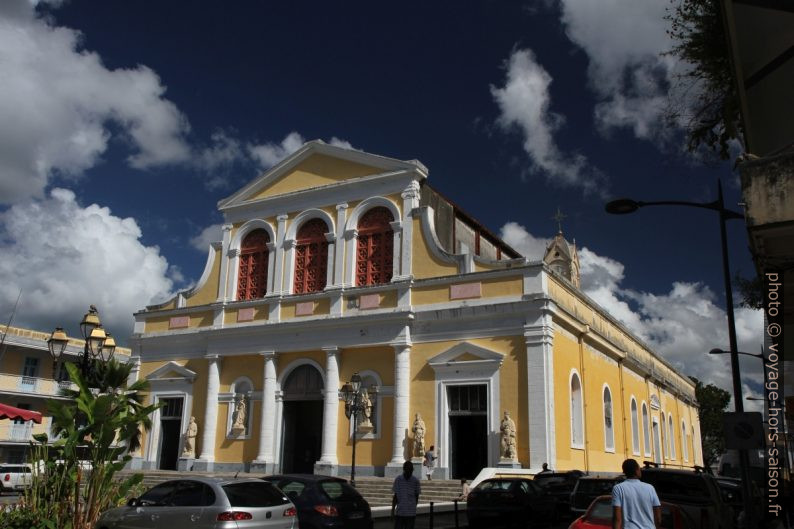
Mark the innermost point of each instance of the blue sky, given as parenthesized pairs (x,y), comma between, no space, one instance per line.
(125,122)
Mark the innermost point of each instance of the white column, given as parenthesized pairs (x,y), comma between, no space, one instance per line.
(410,198)
(402,375)
(397,231)
(226,283)
(540,392)
(267,426)
(211,412)
(331,259)
(331,408)
(339,255)
(278,276)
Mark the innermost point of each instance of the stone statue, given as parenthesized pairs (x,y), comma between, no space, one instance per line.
(366,411)
(508,431)
(190,439)
(419,436)
(239,415)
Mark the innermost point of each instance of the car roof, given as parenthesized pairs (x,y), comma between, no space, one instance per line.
(211,480)
(304,477)
(678,471)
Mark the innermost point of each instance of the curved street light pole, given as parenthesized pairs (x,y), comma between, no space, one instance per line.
(625,206)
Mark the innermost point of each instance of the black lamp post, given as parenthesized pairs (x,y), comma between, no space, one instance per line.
(626,205)
(98,345)
(353,394)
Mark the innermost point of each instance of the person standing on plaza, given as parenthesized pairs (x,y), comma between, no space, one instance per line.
(544,469)
(406,490)
(430,461)
(635,504)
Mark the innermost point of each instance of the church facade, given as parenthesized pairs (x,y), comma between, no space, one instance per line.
(337,262)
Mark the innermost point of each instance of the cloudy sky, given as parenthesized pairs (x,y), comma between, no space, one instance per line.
(123,124)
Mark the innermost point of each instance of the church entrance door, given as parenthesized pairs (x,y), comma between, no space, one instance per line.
(468,430)
(302,427)
(170,431)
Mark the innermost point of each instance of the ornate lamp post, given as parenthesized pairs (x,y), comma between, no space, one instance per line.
(625,206)
(357,401)
(99,345)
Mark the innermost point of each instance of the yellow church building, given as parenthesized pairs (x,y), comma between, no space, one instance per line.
(337,262)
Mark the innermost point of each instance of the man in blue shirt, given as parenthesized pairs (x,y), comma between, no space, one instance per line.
(406,490)
(635,504)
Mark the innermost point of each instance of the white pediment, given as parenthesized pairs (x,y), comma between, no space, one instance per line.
(171,371)
(379,164)
(468,355)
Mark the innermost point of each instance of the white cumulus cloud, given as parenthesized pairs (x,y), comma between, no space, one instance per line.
(524,104)
(682,324)
(65,257)
(269,154)
(57,100)
(210,234)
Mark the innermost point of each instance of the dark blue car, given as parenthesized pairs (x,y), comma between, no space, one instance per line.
(324,502)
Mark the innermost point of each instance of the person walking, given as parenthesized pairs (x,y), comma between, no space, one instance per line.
(464,490)
(430,461)
(635,504)
(406,489)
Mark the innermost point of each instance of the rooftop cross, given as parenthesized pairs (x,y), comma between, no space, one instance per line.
(558,217)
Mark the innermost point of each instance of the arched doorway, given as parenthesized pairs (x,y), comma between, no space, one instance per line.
(301,440)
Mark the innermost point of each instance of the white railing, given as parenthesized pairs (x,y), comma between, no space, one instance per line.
(35,385)
(19,432)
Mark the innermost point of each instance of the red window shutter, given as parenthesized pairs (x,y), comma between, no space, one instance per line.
(252,273)
(375,247)
(311,257)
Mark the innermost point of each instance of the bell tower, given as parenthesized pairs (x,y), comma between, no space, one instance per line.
(561,256)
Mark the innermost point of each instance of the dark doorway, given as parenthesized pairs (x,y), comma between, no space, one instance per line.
(468,430)
(301,441)
(170,432)
(303,426)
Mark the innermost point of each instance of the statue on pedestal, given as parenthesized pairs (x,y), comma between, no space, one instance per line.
(366,412)
(419,436)
(239,415)
(190,439)
(508,431)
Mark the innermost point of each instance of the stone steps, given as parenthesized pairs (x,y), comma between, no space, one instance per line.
(377,491)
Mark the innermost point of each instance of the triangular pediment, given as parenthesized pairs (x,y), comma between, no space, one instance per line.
(171,371)
(466,352)
(314,165)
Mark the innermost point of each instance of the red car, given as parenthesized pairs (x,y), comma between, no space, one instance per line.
(599,516)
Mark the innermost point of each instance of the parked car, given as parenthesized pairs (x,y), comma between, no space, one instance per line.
(205,503)
(588,488)
(732,494)
(14,477)
(324,501)
(599,516)
(560,485)
(510,501)
(695,491)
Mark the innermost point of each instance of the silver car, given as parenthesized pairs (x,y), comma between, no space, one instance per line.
(205,503)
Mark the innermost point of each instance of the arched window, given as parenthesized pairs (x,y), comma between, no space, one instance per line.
(665,440)
(695,447)
(577,413)
(646,429)
(671,435)
(375,250)
(252,274)
(635,428)
(311,257)
(684,444)
(609,429)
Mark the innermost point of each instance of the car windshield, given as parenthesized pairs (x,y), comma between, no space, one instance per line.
(675,484)
(254,494)
(600,510)
(338,490)
(496,484)
(595,486)
(550,480)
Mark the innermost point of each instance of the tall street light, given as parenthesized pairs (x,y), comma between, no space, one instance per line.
(355,404)
(624,206)
(98,344)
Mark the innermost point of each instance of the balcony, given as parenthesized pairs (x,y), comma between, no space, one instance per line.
(22,433)
(32,386)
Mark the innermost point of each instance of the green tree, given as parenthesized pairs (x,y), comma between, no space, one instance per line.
(707,100)
(712,403)
(74,474)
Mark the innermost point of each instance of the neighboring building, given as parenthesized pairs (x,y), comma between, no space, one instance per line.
(336,261)
(28,380)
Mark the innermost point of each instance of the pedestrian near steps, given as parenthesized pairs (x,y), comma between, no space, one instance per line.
(429,462)
(406,490)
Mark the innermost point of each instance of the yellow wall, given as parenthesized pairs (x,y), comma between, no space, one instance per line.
(317,170)
(425,265)
(260,315)
(208,292)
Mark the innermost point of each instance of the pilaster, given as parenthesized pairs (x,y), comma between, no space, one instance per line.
(265,459)
(402,374)
(539,338)
(207,459)
(329,461)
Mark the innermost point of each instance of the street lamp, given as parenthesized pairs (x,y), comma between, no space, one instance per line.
(355,404)
(625,206)
(98,344)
